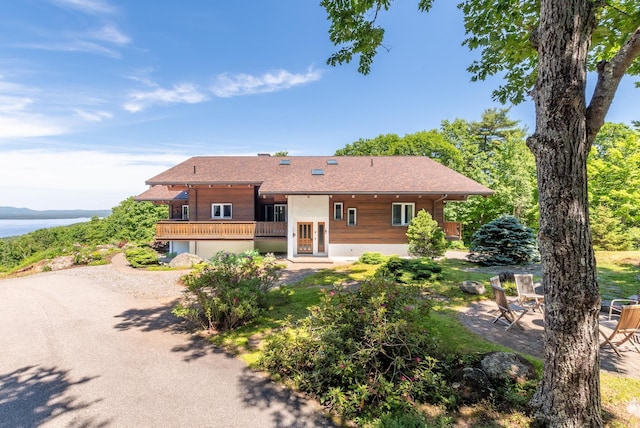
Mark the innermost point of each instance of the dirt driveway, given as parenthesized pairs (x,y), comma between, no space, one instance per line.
(98,347)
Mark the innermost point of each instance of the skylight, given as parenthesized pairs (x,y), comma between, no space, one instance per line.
(332,162)
(285,162)
(317,172)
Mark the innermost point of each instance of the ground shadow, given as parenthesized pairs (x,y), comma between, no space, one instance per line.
(259,392)
(199,347)
(33,395)
(158,318)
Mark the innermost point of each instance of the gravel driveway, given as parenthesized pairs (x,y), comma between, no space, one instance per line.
(98,347)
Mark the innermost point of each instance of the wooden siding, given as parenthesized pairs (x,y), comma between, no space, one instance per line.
(374,218)
(242,198)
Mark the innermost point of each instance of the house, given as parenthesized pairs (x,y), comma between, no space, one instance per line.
(327,206)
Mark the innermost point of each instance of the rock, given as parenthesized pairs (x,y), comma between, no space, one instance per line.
(185,260)
(471,384)
(472,287)
(507,365)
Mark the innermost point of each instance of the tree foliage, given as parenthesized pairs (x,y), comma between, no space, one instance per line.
(134,221)
(491,151)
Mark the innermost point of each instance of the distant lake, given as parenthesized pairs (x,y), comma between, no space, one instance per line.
(20,227)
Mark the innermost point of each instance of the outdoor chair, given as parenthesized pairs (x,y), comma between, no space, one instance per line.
(627,328)
(617,304)
(527,291)
(508,312)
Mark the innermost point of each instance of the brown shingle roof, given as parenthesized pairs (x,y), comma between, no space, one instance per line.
(162,193)
(350,174)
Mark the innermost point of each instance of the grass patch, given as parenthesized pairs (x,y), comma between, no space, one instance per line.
(618,273)
(617,393)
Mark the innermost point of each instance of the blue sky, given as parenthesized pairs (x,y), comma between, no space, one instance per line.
(96,96)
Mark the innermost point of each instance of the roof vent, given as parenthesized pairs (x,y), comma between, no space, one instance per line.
(317,172)
(285,162)
(266,155)
(332,162)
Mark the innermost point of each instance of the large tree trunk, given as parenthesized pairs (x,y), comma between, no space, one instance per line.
(569,394)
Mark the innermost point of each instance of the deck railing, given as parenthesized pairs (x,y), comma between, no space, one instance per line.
(453,229)
(188,230)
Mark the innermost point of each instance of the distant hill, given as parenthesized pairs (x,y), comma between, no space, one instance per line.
(28,214)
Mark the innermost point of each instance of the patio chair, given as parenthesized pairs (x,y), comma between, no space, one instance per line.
(527,291)
(617,304)
(508,312)
(627,328)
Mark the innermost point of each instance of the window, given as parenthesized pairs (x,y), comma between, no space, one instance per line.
(351,217)
(220,210)
(279,212)
(337,211)
(402,214)
(185,212)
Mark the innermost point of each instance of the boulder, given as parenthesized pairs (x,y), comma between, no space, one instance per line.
(472,287)
(185,260)
(506,365)
(471,384)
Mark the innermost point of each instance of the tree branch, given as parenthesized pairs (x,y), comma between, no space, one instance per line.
(609,76)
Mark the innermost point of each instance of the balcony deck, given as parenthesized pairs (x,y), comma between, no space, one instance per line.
(214,230)
(175,230)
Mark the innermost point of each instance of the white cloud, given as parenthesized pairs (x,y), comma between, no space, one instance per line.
(181,93)
(97,116)
(10,103)
(47,179)
(92,7)
(73,46)
(110,33)
(23,125)
(246,84)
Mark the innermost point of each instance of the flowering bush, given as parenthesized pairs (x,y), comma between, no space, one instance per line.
(229,291)
(364,353)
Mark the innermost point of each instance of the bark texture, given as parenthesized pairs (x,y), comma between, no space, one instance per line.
(569,394)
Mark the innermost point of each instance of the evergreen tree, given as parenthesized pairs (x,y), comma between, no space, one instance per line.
(426,238)
(503,241)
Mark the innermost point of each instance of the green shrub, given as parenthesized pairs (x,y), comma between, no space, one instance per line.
(141,256)
(456,245)
(399,420)
(426,238)
(371,258)
(229,291)
(408,270)
(363,353)
(503,241)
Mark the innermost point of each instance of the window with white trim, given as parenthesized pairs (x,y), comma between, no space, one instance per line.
(402,213)
(351,216)
(279,212)
(337,210)
(221,211)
